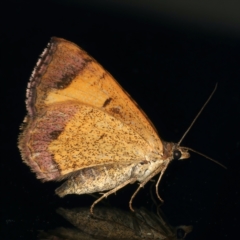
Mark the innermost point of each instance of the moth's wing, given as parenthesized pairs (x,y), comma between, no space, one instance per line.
(69,136)
(66,74)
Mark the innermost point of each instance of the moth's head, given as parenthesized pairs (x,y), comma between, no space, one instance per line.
(174,152)
(179,153)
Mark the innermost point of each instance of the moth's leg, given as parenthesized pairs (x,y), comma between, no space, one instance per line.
(158,205)
(131,180)
(159,179)
(148,178)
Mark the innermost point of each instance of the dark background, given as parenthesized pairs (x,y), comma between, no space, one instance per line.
(169,58)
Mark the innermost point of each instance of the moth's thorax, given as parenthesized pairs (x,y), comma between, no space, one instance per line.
(158,161)
(143,170)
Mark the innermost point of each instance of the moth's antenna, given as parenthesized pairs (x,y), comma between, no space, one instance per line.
(190,149)
(194,120)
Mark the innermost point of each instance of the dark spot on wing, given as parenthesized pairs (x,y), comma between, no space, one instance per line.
(69,73)
(115,110)
(54,134)
(107,102)
(102,136)
(103,76)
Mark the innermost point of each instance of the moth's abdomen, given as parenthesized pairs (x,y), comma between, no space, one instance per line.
(96,179)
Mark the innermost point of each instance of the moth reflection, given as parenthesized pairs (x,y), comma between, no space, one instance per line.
(112,223)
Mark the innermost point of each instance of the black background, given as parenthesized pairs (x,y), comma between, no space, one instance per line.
(169,68)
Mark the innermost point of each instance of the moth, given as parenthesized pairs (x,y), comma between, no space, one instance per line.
(84,128)
(115,224)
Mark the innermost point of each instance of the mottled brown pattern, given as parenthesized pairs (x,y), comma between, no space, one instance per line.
(83,137)
(114,110)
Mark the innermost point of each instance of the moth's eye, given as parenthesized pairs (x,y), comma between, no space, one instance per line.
(177,154)
(180,233)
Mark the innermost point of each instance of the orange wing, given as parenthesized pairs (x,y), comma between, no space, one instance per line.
(79,116)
